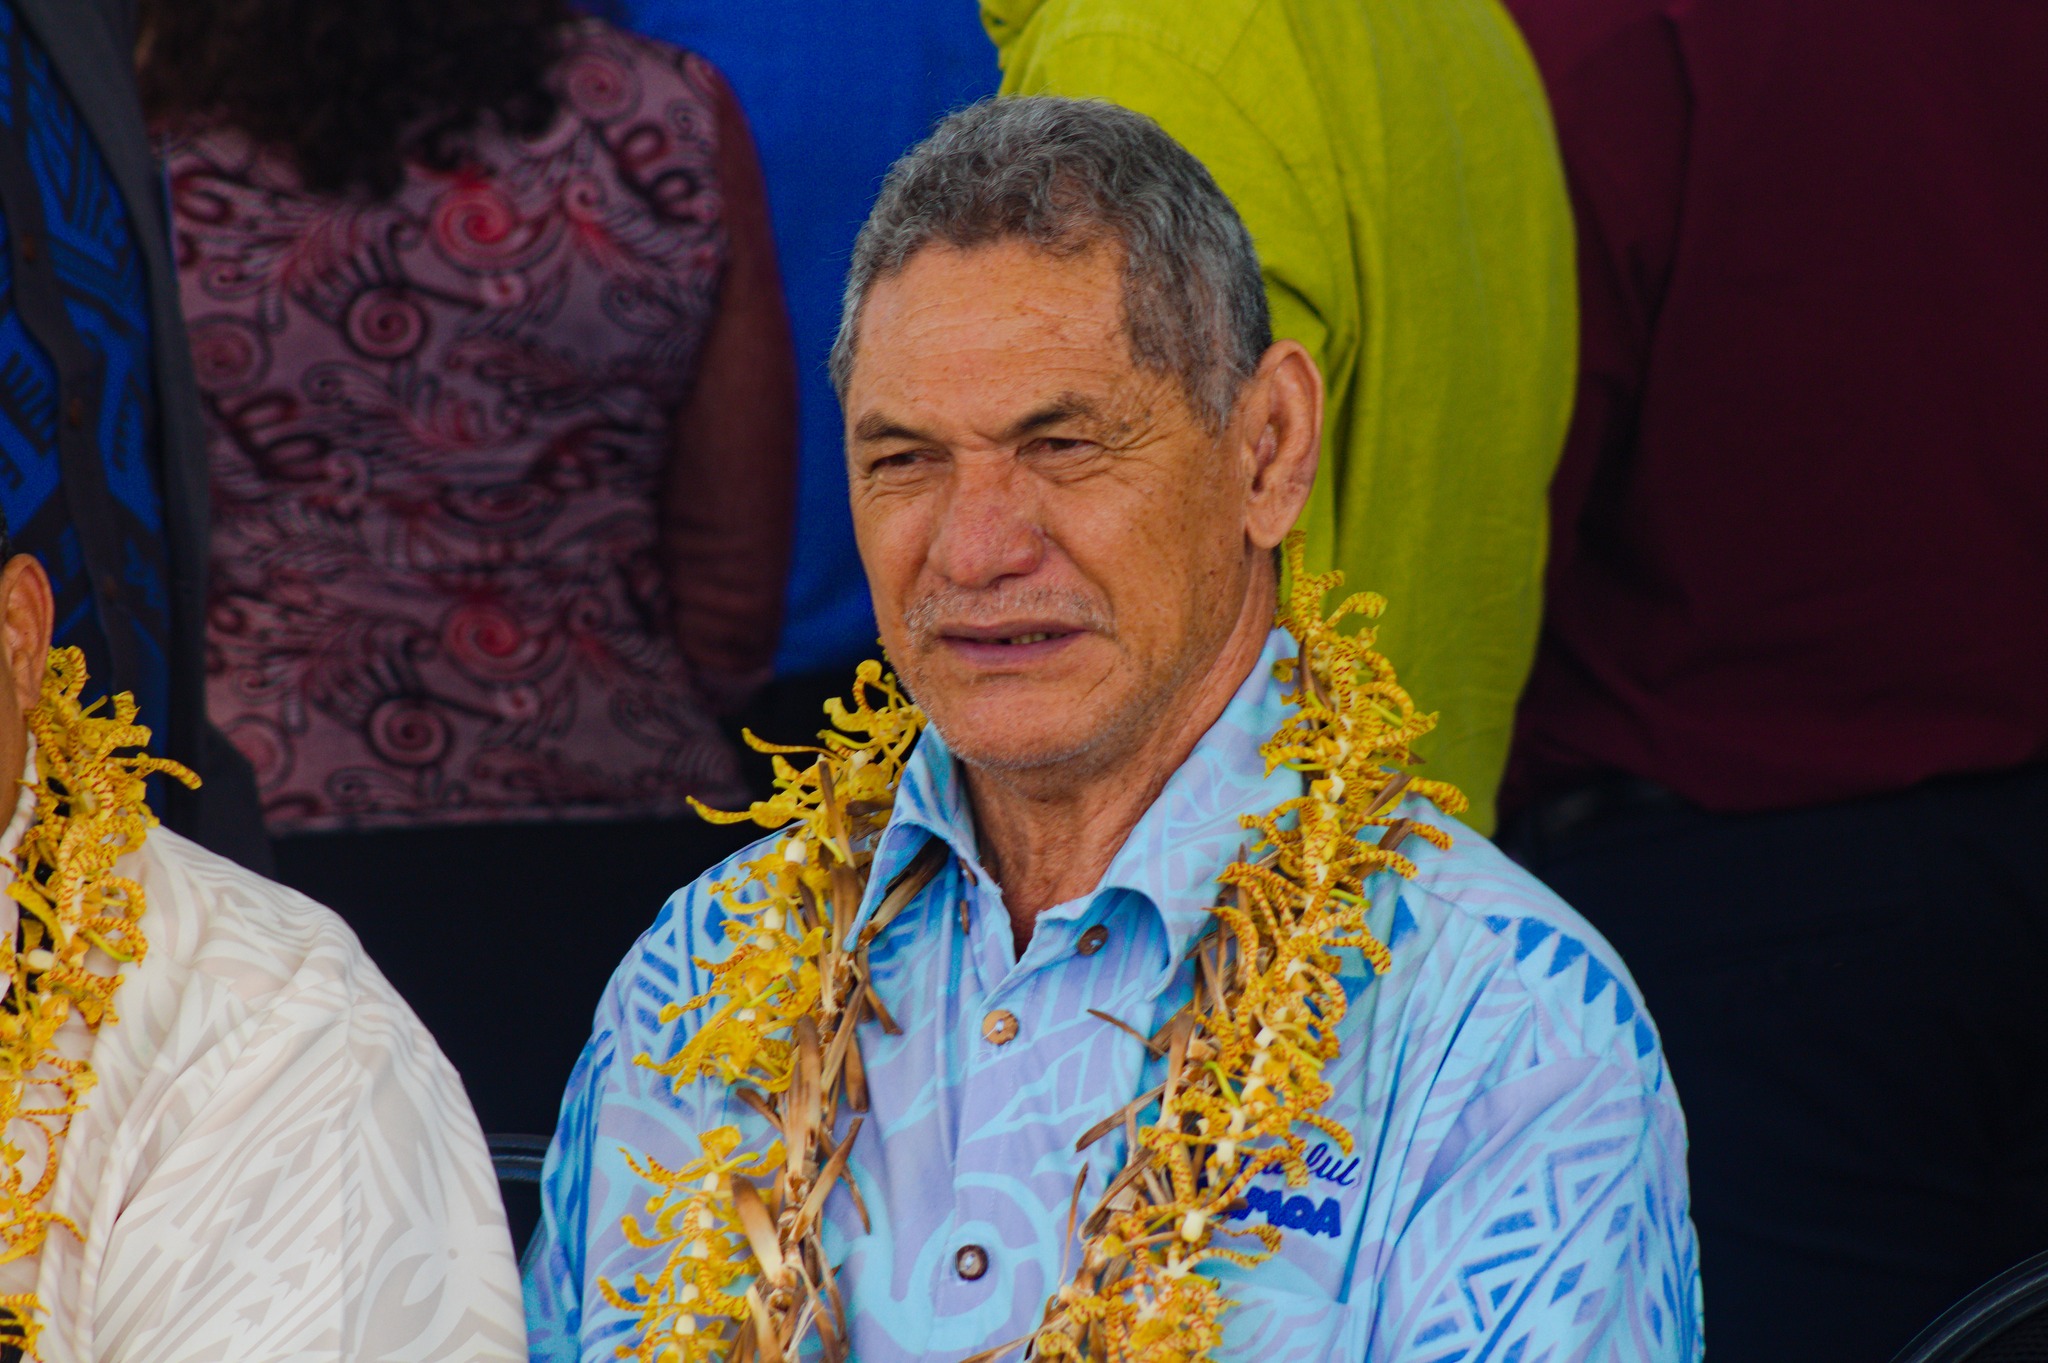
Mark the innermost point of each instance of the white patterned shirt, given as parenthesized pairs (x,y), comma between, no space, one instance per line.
(276,1163)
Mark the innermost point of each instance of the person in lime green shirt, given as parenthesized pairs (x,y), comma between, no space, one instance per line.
(1395,163)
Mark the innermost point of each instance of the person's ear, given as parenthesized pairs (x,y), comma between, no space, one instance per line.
(27,614)
(1281,419)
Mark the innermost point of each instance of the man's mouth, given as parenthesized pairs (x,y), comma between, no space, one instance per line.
(992,643)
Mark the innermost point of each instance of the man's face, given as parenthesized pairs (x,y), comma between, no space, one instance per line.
(1056,544)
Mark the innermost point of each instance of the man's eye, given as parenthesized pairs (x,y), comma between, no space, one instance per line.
(1056,446)
(899,462)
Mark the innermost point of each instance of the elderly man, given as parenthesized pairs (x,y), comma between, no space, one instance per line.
(226,1136)
(1038,1040)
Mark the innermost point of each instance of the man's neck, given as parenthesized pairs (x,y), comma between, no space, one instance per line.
(1050,837)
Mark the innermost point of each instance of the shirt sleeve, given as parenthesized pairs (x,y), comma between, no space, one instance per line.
(1580,1259)
(1548,1213)
(553,1276)
(614,1109)
(1622,107)
(329,1199)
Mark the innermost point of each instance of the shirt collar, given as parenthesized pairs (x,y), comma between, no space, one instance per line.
(1172,857)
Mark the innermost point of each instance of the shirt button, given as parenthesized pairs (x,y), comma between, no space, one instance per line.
(1000,1027)
(1092,940)
(971,1262)
(74,413)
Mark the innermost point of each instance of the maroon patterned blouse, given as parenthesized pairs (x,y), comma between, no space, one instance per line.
(439,427)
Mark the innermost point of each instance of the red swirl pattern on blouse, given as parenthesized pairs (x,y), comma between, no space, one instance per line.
(438,427)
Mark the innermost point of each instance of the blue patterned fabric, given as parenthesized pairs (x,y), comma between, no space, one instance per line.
(98,267)
(1516,1191)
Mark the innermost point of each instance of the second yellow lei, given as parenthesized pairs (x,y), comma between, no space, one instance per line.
(746,1276)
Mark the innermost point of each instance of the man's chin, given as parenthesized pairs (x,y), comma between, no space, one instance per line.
(1044,717)
(1016,739)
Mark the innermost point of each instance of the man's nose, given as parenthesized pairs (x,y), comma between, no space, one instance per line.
(989,528)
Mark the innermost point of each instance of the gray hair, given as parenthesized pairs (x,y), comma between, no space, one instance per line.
(1065,175)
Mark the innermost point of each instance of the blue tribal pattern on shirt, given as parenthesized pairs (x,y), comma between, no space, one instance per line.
(106,401)
(1515,1191)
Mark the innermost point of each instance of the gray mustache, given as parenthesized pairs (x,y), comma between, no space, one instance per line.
(930,614)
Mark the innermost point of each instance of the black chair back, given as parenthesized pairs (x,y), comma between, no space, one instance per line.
(2004,1321)
(517,1159)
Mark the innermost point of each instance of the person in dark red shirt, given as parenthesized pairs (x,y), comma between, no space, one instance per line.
(1786,741)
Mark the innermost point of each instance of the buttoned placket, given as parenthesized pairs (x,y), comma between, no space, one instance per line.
(1008,1062)
(1002,1024)
(965,1280)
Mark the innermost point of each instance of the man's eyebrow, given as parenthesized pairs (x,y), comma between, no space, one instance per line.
(875,426)
(1065,407)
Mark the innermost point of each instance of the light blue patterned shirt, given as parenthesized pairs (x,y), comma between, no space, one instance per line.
(1515,1193)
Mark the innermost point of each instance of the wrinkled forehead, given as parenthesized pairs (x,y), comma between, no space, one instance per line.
(967,334)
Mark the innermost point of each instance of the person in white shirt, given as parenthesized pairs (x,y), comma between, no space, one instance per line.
(267,1158)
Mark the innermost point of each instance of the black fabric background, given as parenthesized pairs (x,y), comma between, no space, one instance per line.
(1854,1003)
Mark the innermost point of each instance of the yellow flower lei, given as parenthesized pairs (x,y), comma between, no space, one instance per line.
(1244,1058)
(89,812)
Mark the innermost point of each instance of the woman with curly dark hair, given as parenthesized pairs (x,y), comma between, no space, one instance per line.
(502,434)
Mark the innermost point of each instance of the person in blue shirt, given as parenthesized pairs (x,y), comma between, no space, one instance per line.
(1073,449)
(833,93)
(102,470)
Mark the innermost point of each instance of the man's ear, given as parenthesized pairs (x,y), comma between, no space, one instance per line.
(27,614)
(1281,416)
